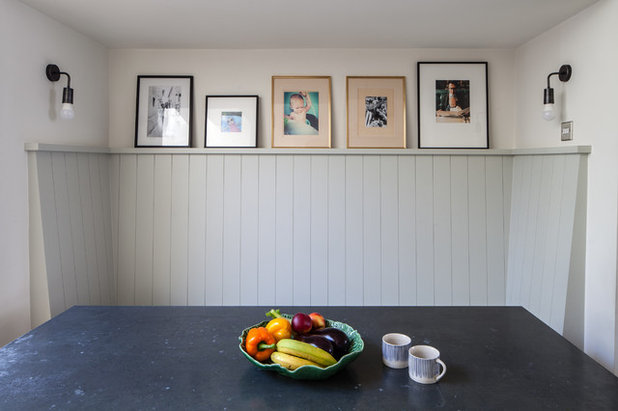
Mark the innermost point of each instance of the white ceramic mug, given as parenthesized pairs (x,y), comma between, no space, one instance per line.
(395,350)
(424,364)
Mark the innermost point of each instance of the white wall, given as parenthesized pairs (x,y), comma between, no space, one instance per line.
(587,42)
(250,71)
(28,113)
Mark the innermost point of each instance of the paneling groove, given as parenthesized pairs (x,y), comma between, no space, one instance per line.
(295,229)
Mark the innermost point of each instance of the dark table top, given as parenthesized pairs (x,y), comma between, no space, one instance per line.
(188,358)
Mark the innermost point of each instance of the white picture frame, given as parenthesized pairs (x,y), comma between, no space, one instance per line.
(231,121)
(453,109)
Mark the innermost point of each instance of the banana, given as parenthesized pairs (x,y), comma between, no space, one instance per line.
(289,361)
(306,351)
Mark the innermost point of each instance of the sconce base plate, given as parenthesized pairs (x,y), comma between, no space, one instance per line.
(565,72)
(53,72)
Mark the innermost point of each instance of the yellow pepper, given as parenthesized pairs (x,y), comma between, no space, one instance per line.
(280,328)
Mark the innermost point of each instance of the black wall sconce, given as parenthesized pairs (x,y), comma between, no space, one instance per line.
(564,74)
(53,74)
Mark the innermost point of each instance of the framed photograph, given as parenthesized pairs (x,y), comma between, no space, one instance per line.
(301,112)
(376,112)
(452,105)
(163,116)
(231,121)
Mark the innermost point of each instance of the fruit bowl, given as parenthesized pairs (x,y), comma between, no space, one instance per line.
(311,372)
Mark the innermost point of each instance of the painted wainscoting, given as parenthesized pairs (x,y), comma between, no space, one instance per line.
(75,225)
(546,260)
(292,227)
(295,229)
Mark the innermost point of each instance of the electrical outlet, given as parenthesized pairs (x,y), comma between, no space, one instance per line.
(566,131)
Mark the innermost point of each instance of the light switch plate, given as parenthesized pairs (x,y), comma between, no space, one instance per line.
(566,131)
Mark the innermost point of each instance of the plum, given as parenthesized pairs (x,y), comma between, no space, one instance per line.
(301,323)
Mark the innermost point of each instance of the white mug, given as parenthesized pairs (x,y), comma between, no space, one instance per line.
(424,364)
(395,350)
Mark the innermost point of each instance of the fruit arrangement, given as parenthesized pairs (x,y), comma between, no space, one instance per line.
(304,346)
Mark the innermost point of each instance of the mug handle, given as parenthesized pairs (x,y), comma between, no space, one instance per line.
(439,361)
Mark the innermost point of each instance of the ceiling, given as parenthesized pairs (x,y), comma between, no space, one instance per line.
(310,24)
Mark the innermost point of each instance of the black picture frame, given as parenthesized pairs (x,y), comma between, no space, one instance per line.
(164,111)
(453,104)
(241,110)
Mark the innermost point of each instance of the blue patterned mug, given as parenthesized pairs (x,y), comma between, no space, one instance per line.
(424,364)
(395,350)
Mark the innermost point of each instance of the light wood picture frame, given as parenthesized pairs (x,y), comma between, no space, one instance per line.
(301,112)
(453,108)
(376,112)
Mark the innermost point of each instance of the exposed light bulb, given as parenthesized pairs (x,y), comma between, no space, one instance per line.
(67,111)
(548,112)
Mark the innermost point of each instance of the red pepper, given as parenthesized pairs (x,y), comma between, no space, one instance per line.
(259,343)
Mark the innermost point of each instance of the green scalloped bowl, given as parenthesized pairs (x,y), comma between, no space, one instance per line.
(311,372)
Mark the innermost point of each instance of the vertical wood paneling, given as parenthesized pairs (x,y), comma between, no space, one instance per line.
(50,233)
(540,234)
(309,229)
(214,231)
(197,231)
(144,230)
(531,228)
(496,281)
(302,230)
(507,190)
(114,188)
(319,230)
(565,238)
(354,231)
(459,231)
(477,230)
(284,214)
(424,231)
(389,223)
(336,230)
(104,178)
(61,198)
(85,191)
(231,229)
(443,293)
(551,237)
(407,230)
(99,224)
(249,237)
(77,229)
(521,183)
(162,277)
(267,283)
(126,246)
(371,231)
(179,231)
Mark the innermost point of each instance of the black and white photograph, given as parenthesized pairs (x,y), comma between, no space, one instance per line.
(376,111)
(452,105)
(164,111)
(231,121)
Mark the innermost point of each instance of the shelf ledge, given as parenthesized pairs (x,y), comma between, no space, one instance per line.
(42,147)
